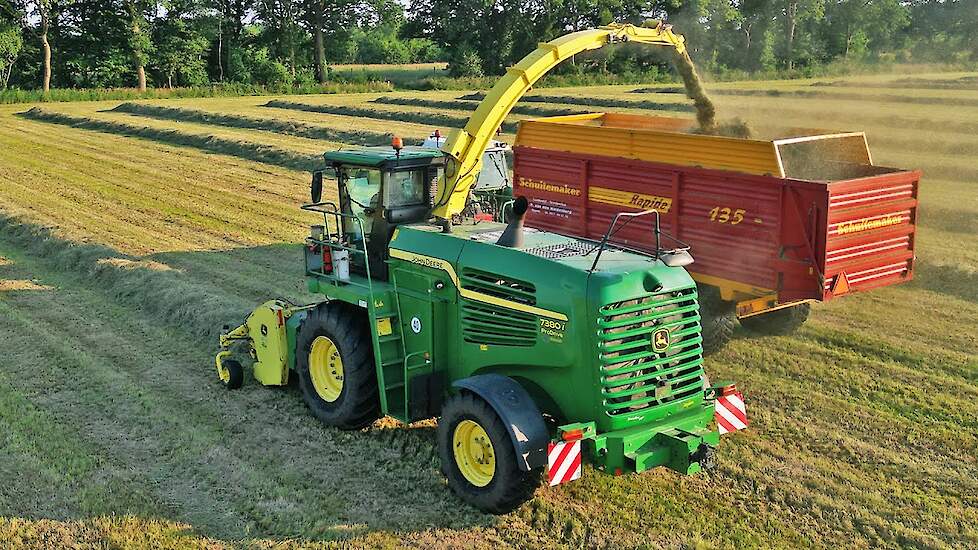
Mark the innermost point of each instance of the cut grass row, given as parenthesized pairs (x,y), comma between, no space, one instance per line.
(833,95)
(952,168)
(593,101)
(284,127)
(141,197)
(968,83)
(418,117)
(217,464)
(242,149)
(470,105)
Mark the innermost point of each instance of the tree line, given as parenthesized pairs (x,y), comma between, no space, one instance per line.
(138,43)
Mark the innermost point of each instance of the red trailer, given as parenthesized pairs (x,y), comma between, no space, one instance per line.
(774,225)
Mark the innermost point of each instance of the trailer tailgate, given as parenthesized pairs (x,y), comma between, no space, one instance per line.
(869,232)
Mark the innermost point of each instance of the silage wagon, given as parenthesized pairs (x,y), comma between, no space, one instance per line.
(774,224)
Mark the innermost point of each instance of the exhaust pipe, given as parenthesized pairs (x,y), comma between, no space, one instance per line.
(512,236)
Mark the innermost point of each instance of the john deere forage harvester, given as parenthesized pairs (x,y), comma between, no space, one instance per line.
(537,351)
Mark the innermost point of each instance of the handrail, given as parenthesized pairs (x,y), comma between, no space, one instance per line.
(337,214)
(656,230)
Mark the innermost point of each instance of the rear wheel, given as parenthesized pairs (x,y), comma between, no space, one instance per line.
(334,361)
(780,321)
(478,458)
(717,318)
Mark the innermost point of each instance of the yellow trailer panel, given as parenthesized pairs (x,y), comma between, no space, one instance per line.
(669,140)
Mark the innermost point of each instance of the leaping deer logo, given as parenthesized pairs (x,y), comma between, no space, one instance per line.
(660,340)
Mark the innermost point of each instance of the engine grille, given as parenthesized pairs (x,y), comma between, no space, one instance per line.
(488,324)
(634,376)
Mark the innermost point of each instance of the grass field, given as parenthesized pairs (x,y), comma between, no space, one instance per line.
(130,233)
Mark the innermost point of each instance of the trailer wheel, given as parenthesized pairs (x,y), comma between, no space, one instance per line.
(717,318)
(334,361)
(478,458)
(780,321)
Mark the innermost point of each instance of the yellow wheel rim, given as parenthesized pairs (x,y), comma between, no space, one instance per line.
(474,455)
(326,368)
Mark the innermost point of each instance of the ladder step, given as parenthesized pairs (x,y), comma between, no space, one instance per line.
(389,338)
(392,362)
(395,386)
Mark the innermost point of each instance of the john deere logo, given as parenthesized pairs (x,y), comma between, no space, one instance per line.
(660,340)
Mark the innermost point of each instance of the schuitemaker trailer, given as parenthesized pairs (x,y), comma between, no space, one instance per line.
(773,224)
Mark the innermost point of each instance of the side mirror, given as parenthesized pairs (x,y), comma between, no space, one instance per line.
(316,187)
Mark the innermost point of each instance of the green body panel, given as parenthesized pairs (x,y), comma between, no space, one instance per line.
(582,343)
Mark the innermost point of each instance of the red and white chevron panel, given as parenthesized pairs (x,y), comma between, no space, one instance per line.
(730,412)
(564,462)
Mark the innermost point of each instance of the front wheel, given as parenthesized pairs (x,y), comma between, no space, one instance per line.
(478,458)
(335,364)
(780,321)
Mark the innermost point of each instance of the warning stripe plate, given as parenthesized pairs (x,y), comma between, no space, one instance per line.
(563,462)
(730,413)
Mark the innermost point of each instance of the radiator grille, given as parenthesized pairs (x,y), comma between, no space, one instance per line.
(634,376)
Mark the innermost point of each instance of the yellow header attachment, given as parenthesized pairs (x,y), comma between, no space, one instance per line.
(465,147)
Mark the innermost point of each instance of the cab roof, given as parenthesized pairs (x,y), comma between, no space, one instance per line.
(381,156)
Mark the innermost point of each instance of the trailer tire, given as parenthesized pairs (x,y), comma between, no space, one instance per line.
(507,486)
(778,322)
(346,397)
(717,319)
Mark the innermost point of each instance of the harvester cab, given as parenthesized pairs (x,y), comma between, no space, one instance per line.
(379,188)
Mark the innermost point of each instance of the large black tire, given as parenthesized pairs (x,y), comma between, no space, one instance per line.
(358,402)
(780,321)
(717,318)
(509,486)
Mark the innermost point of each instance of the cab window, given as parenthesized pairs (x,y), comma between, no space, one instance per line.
(405,188)
(363,189)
